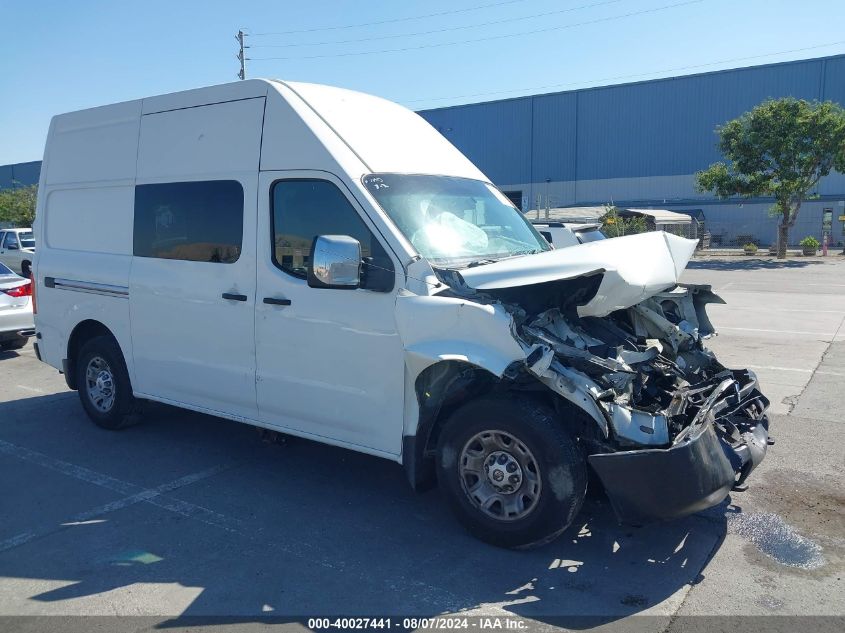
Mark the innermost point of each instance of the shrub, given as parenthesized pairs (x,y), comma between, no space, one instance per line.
(615,225)
(809,242)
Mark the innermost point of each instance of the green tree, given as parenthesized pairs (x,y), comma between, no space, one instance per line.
(615,225)
(17,205)
(781,148)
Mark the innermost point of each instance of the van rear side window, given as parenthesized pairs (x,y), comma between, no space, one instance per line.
(193,221)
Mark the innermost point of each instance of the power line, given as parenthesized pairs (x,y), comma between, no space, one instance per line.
(623,77)
(486,39)
(392,21)
(444,30)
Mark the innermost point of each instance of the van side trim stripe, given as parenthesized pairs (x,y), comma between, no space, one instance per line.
(87,286)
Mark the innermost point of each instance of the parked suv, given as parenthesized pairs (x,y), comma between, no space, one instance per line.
(17,249)
(323,263)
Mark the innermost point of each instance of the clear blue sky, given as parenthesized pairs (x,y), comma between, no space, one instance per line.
(57,56)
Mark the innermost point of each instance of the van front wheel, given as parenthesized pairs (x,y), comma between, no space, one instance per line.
(103,384)
(510,471)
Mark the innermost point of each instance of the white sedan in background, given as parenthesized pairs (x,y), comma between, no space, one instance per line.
(16,321)
(563,234)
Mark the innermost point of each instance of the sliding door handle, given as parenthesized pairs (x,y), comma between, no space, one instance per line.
(234,297)
(276,302)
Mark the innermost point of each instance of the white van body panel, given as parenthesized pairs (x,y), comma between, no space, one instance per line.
(384,135)
(205,96)
(201,141)
(184,344)
(85,198)
(97,145)
(330,364)
(212,366)
(437,329)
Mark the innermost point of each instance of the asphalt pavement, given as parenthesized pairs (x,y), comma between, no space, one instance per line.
(189,515)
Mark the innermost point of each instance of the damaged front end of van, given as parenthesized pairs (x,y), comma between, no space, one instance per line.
(607,327)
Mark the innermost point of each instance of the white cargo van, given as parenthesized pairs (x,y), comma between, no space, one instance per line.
(323,263)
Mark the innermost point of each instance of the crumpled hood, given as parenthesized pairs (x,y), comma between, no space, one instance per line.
(634,268)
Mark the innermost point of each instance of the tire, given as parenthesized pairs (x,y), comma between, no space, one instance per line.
(26,269)
(107,398)
(541,502)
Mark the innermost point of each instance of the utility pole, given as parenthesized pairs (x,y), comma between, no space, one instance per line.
(240,37)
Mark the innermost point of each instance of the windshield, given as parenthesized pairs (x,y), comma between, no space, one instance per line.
(6,271)
(454,221)
(27,239)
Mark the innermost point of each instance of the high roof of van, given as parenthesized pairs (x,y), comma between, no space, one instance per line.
(303,126)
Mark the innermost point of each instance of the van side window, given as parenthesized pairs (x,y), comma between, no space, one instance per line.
(302,210)
(193,221)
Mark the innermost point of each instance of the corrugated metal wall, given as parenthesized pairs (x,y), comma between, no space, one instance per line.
(663,127)
(20,173)
(637,143)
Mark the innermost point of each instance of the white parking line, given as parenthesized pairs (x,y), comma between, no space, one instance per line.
(77,472)
(801,283)
(820,372)
(32,389)
(766,308)
(434,596)
(152,496)
(804,371)
(757,329)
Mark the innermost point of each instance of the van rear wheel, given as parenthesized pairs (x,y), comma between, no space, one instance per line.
(510,471)
(103,384)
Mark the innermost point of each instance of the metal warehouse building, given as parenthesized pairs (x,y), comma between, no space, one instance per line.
(640,144)
(19,174)
(634,145)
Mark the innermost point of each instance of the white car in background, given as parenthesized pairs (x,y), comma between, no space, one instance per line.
(16,320)
(17,250)
(563,234)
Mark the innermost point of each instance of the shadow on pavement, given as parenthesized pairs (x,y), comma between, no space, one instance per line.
(295,530)
(752,263)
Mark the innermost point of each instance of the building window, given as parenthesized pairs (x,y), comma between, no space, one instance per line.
(306,208)
(192,221)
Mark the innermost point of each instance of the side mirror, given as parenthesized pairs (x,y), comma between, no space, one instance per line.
(335,262)
(12,247)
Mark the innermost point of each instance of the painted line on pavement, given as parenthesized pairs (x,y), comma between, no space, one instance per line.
(770,283)
(757,329)
(434,596)
(798,369)
(152,496)
(32,389)
(803,371)
(770,309)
